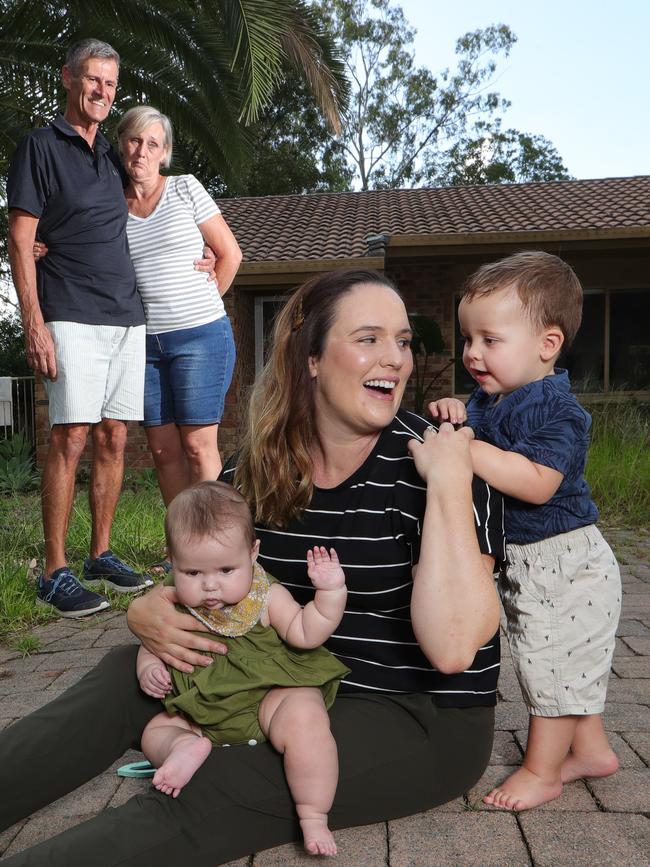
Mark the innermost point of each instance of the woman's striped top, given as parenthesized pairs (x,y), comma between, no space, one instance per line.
(373,520)
(163,247)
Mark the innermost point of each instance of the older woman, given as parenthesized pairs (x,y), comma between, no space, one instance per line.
(190,348)
(329,458)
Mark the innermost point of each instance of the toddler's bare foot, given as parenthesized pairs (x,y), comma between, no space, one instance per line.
(187,755)
(575,766)
(523,790)
(318,837)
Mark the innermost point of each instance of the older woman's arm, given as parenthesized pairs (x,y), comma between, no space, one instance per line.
(454,605)
(223,243)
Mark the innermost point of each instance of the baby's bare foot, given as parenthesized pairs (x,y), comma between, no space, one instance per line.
(575,766)
(187,755)
(318,837)
(523,790)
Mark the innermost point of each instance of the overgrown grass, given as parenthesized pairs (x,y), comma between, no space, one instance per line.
(137,537)
(618,469)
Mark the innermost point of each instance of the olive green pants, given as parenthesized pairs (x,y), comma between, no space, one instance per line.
(398,755)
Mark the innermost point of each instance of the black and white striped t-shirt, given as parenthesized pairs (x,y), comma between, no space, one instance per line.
(163,247)
(373,520)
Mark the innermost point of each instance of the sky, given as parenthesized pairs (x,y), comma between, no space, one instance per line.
(579,73)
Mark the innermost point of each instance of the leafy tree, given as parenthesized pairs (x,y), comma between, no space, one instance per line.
(293,150)
(500,157)
(12,349)
(407,126)
(210,65)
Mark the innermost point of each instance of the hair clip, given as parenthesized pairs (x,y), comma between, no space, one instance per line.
(298,317)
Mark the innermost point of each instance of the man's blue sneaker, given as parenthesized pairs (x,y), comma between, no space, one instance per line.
(70,598)
(109,570)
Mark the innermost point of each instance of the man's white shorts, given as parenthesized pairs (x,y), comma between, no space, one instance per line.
(100,373)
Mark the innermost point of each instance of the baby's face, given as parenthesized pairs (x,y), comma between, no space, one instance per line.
(213,572)
(502,349)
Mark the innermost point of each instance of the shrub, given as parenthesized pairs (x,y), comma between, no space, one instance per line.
(17,471)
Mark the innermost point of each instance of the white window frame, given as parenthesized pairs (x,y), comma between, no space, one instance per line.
(260,301)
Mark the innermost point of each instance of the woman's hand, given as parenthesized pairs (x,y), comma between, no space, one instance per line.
(443,459)
(168,633)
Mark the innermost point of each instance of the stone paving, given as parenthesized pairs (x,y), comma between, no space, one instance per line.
(594,822)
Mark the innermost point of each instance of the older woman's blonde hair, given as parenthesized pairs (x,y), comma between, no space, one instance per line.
(137,119)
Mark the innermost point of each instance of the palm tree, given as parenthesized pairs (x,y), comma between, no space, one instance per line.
(210,65)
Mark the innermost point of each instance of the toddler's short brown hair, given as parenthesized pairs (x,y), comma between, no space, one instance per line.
(548,288)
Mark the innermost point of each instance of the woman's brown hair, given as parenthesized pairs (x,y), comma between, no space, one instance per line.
(274,469)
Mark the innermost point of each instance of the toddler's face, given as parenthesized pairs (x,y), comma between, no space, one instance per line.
(502,350)
(213,572)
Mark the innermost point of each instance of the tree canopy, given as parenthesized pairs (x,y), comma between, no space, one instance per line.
(407,126)
(210,65)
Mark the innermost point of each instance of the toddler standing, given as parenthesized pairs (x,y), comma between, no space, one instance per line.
(261,688)
(561,589)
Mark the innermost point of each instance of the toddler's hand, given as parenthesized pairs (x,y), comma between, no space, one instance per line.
(324,569)
(155,680)
(448,409)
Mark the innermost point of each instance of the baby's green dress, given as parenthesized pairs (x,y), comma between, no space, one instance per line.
(224,698)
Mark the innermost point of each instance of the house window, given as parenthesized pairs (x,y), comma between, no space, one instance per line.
(266,309)
(611,351)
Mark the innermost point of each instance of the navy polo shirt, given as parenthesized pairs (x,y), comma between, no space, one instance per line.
(77,194)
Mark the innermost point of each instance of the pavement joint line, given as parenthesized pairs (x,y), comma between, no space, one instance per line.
(634,750)
(524,838)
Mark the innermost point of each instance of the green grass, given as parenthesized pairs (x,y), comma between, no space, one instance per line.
(618,469)
(137,537)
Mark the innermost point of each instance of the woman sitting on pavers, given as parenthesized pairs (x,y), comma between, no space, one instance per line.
(329,459)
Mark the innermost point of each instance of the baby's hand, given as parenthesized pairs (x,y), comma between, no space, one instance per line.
(448,409)
(155,680)
(324,569)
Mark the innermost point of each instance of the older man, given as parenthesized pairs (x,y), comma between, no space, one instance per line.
(83,318)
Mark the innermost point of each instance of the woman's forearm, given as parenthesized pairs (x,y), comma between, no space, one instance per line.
(454,605)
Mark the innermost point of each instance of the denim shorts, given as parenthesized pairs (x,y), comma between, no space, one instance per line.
(188,373)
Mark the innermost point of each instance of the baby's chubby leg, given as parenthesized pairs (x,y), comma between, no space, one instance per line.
(296,722)
(176,748)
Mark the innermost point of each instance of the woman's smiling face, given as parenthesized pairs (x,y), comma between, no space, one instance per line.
(360,377)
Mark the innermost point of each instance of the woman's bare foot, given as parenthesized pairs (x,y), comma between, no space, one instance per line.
(575,766)
(187,755)
(318,837)
(521,791)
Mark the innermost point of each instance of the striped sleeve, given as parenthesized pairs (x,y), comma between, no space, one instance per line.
(203,206)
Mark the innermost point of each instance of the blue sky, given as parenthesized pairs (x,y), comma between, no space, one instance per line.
(579,73)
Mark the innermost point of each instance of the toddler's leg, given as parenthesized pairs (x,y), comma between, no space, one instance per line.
(590,754)
(176,748)
(297,724)
(539,779)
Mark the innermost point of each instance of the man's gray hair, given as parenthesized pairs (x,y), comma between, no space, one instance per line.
(86,48)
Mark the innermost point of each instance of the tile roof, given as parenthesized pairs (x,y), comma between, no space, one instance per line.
(336,225)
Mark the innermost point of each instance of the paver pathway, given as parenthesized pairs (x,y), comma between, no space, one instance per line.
(594,822)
